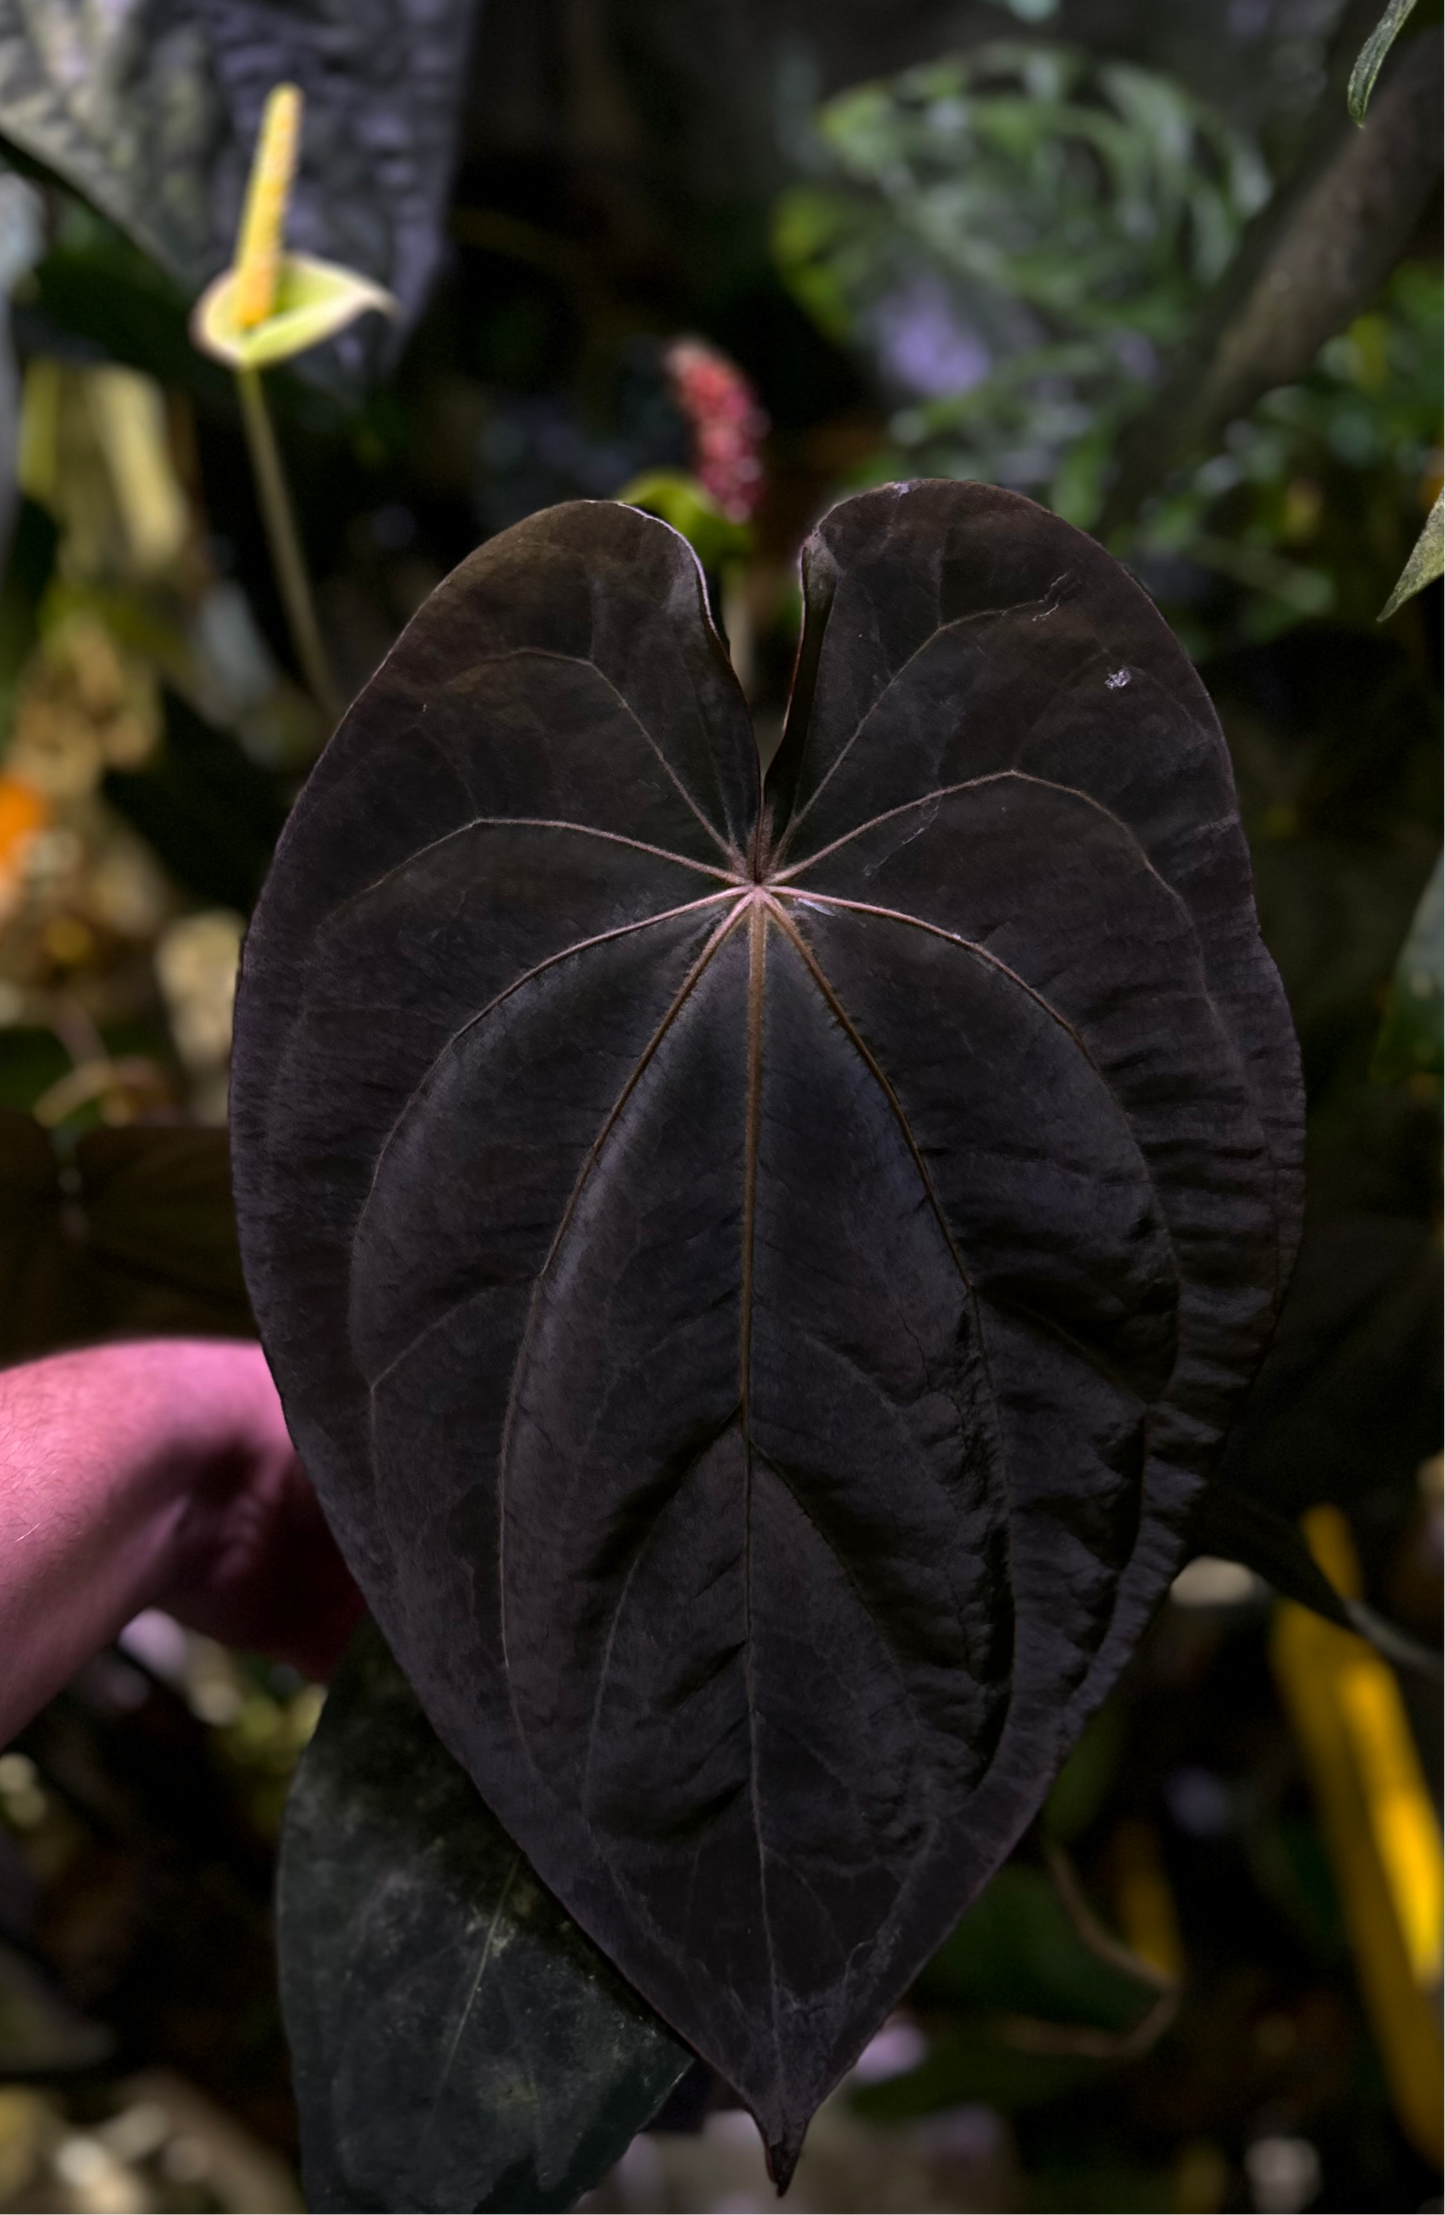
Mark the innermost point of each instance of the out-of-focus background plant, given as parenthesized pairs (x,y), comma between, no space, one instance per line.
(728,262)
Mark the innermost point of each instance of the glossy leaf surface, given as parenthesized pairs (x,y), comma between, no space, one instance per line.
(456,2041)
(759,1279)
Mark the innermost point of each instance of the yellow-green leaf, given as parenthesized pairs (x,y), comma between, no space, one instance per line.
(1427,560)
(314,300)
(692,511)
(1372,56)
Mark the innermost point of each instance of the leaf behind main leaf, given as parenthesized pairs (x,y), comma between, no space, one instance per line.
(456,2041)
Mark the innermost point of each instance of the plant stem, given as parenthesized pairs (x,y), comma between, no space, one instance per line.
(286,554)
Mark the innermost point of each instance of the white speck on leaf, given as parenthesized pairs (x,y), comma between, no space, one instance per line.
(1117,681)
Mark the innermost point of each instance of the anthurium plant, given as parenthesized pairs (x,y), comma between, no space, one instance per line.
(267,307)
(760,1270)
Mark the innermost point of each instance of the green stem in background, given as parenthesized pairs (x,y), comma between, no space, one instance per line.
(285,545)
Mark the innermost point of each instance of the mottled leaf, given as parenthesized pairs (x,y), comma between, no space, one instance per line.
(456,2042)
(1372,55)
(759,1276)
(150,109)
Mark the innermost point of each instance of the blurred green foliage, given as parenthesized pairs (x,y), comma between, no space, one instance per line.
(1015,236)
(1315,491)
(1016,239)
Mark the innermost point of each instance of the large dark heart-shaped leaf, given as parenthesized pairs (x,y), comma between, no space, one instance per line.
(759,1278)
(455,2039)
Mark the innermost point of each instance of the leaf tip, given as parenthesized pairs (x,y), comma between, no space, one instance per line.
(1371,57)
(783,2151)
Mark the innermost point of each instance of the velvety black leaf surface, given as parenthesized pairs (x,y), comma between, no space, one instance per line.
(456,2041)
(759,1279)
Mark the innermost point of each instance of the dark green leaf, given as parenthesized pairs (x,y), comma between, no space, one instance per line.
(160,1230)
(970,2062)
(140,1238)
(1016,1952)
(1372,55)
(457,2042)
(1239,1528)
(210,813)
(47,1298)
(1083,1784)
(1347,1402)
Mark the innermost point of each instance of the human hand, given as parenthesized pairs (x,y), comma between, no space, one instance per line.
(156,1474)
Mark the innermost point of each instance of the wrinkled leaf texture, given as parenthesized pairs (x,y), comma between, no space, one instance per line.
(759,1277)
(455,2040)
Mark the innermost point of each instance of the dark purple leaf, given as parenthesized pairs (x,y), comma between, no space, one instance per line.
(759,1289)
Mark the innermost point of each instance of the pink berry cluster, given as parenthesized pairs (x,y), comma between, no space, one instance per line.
(726,423)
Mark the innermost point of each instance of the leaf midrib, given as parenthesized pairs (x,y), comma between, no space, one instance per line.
(759,904)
